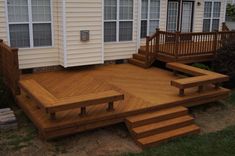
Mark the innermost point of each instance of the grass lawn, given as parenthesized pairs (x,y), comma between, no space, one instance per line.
(213,144)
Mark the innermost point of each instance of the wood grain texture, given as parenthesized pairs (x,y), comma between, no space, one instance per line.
(145,90)
(200,77)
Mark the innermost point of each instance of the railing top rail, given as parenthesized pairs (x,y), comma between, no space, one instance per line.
(165,32)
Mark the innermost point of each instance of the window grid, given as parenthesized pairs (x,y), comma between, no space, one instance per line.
(150,16)
(31,23)
(211,16)
(121,34)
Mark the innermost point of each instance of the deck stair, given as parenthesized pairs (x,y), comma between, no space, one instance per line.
(140,58)
(151,129)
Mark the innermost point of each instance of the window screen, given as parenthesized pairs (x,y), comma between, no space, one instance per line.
(125,31)
(19,35)
(110,31)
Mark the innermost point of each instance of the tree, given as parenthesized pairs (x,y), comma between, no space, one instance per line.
(230,10)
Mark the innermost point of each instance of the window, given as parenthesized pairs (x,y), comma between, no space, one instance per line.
(211,16)
(29,23)
(118,20)
(150,14)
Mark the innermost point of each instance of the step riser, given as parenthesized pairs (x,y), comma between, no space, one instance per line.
(165,140)
(140,51)
(140,64)
(139,57)
(162,129)
(157,119)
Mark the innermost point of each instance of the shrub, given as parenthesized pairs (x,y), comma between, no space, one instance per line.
(225,61)
(6,99)
(201,66)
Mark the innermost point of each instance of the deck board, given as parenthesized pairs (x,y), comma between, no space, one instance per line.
(144,90)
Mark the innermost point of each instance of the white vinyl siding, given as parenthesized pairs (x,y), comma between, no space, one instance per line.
(83,15)
(118,20)
(29,23)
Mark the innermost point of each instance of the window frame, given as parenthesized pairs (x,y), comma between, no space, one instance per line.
(211,18)
(148,19)
(30,24)
(117,21)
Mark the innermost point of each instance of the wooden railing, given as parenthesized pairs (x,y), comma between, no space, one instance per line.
(224,27)
(9,67)
(177,45)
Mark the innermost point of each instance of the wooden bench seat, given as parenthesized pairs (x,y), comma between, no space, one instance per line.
(51,104)
(201,77)
(42,96)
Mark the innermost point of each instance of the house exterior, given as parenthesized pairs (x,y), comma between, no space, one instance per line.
(85,32)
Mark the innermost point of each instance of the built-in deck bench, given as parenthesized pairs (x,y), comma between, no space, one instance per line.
(200,77)
(52,105)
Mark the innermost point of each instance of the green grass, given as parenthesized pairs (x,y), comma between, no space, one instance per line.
(17,139)
(220,143)
(231,99)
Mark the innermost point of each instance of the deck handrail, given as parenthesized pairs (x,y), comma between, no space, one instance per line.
(9,67)
(181,44)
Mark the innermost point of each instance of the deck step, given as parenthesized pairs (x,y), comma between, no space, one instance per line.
(141,51)
(140,57)
(138,63)
(163,126)
(155,140)
(156,116)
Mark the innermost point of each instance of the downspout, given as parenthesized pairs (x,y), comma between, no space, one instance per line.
(64,32)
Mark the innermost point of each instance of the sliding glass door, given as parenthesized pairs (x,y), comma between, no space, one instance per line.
(179,16)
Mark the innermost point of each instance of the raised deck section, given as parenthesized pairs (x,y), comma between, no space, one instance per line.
(145,90)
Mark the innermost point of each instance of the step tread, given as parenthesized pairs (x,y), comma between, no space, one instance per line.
(139,57)
(162,124)
(153,139)
(155,114)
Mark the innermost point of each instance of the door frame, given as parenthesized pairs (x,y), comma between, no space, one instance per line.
(180,13)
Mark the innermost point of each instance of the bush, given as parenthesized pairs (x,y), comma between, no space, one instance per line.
(201,66)
(225,61)
(230,10)
(6,99)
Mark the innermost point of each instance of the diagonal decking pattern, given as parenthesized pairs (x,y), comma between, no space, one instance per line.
(145,90)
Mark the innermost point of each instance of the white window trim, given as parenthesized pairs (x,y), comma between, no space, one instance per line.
(148,17)
(117,23)
(30,23)
(212,12)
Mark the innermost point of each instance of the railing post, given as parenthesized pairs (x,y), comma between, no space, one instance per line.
(177,42)
(157,41)
(147,49)
(215,42)
(17,71)
(1,57)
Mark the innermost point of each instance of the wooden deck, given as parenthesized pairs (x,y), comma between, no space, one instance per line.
(180,47)
(145,90)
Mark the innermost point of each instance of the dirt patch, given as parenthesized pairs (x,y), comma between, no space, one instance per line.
(112,140)
(214,118)
(108,141)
